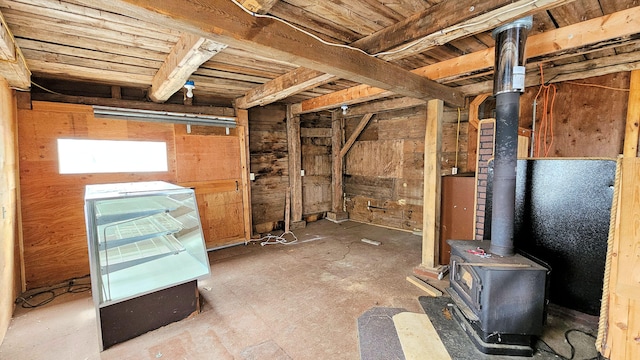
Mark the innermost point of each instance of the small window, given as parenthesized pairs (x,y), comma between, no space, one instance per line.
(111,156)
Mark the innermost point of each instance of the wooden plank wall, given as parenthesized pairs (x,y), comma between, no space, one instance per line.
(384,168)
(9,258)
(55,245)
(269,162)
(589,120)
(316,163)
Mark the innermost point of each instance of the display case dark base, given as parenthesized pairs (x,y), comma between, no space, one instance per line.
(491,348)
(127,319)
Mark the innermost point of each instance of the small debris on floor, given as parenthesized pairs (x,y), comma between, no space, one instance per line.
(369,241)
(446,313)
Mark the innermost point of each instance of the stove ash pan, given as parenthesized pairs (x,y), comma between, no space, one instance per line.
(503,298)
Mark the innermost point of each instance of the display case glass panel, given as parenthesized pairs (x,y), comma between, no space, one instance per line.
(142,237)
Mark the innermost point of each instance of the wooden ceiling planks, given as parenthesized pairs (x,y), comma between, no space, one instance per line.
(84,35)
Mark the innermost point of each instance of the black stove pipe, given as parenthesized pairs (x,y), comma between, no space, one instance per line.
(504,174)
(508,84)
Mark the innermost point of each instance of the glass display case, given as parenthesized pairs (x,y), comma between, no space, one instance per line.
(143,237)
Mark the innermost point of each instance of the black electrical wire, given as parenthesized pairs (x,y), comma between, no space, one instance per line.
(573,349)
(70,286)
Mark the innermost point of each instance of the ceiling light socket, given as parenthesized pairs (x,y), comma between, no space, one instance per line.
(189,85)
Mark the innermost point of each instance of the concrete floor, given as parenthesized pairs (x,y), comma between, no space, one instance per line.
(262,302)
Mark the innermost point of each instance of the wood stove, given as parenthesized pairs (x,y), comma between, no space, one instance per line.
(500,301)
(499,295)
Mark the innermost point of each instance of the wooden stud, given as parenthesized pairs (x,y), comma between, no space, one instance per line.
(431,203)
(336,165)
(633,117)
(243,135)
(295,158)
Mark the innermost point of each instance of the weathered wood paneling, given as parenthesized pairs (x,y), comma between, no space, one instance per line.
(376,159)
(316,163)
(270,164)
(386,165)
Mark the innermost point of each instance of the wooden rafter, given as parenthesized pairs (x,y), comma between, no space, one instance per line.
(446,21)
(185,58)
(264,37)
(576,71)
(12,64)
(258,6)
(575,38)
(291,83)
(384,106)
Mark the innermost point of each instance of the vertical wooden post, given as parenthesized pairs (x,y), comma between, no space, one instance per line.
(295,167)
(337,191)
(620,318)
(9,272)
(245,163)
(633,117)
(432,169)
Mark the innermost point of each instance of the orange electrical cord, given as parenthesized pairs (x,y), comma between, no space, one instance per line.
(545,130)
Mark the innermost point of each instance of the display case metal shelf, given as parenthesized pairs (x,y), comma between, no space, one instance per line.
(143,238)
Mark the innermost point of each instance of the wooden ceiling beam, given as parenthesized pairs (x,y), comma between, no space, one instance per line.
(185,58)
(291,83)
(441,23)
(258,6)
(569,72)
(448,21)
(382,106)
(12,64)
(234,27)
(577,37)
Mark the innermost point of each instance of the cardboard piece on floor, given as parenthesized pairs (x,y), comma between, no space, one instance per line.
(418,337)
